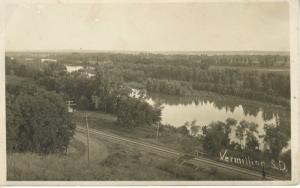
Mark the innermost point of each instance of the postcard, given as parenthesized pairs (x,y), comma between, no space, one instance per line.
(149,92)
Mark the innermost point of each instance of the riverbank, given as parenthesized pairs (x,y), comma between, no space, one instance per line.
(209,95)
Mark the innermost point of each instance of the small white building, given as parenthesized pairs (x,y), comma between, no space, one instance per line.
(71,106)
(71,109)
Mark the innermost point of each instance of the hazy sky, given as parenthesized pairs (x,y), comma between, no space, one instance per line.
(148,26)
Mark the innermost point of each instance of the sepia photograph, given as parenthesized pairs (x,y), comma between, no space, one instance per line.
(138,91)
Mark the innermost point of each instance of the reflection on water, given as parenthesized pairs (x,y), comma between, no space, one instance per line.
(204,110)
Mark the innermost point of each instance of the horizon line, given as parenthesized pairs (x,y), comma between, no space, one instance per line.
(95,50)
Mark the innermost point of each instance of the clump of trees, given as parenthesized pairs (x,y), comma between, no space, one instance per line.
(216,136)
(132,112)
(36,120)
(276,138)
(247,131)
(115,98)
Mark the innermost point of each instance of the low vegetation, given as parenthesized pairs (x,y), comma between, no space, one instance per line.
(122,163)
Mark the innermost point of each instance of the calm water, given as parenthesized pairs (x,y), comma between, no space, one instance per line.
(204,110)
(71,68)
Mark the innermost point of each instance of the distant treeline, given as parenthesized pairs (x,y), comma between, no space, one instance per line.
(181,78)
(261,60)
(230,60)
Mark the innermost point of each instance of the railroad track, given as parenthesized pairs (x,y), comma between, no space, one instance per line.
(124,140)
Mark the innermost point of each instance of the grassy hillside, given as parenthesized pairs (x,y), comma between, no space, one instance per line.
(108,161)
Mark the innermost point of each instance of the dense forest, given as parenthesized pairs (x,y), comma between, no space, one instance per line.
(182,79)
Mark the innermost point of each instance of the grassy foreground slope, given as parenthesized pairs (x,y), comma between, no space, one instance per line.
(108,161)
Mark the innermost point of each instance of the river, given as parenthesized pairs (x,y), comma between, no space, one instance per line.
(176,111)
